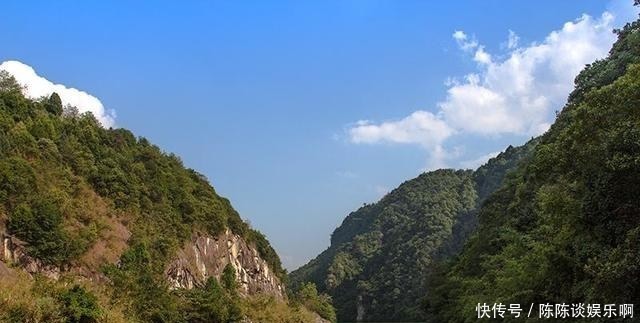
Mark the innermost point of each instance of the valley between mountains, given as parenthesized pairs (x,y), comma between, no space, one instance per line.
(99,225)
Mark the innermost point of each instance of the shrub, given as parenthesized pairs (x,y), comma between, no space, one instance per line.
(80,306)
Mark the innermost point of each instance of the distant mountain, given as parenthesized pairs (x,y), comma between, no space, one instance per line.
(556,220)
(380,257)
(98,225)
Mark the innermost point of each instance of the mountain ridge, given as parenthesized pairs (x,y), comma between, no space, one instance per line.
(582,169)
(358,243)
(100,225)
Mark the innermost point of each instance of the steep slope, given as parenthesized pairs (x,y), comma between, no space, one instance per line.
(562,228)
(565,227)
(121,228)
(379,258)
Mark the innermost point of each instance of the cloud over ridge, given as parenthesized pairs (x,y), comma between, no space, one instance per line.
(514,93)
(518,94)
(37,86)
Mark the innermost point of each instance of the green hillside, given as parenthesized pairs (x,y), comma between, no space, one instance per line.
(565,227)
(110,210)
(380,256)
(103,213)
(562,227)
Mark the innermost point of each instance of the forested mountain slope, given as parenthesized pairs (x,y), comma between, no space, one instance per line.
(379,258)
(97,225)
(565,227)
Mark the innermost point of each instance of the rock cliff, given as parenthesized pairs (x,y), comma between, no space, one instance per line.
(205,256)
(202,257)
(13,253)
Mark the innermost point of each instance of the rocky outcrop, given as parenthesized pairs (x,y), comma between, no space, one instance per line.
(205,256)
(13,252)
(201,258)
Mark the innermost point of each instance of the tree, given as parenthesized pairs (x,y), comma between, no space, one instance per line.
(8,83)
(54,104)
(319,303)
(80,306)
(229,278)
(40,225)
(212,304)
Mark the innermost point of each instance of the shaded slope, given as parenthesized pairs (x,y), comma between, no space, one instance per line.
(379,257)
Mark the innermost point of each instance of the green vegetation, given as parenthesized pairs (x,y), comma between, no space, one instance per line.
(229,278)
(40,225)
(265,308)
(48,157)
(24,299)
(380,256)
(565,227)
(66,184)
(555,220)
(308,296)
(80,305)
(212,304)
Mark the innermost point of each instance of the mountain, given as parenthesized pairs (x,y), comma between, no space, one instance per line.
(556,220)
(564,227)
(98,225)
(379,258)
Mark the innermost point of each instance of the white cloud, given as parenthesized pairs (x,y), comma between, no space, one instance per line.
(421,128)
(481,56)
(463,40)
(518,94)
(514,93)
(459,35)
(474,108)
(37,86)
(469,44)
(477,162)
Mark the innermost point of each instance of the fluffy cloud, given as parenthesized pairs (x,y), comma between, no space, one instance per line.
(421,127)
(481,56)
(465,43)
(513,93)
(470,44)
(37,86)
(519,93)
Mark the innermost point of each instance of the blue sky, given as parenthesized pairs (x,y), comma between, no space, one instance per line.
(301,111)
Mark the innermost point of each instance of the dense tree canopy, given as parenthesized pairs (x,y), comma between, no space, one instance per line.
(66,184)
(380,256)
(563,226)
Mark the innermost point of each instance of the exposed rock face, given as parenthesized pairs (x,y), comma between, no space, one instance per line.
(207,256)
(201,258)
(13,252)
